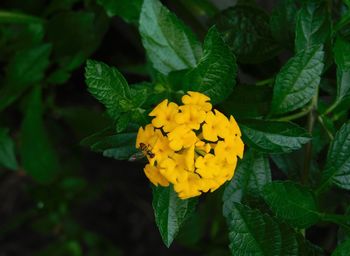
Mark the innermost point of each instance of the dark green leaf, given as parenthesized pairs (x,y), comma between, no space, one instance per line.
(298,80)
(169,44)
(215,75)
(337,169)
(123,122)
(248,101)
(120,146)
(342,58)
(109,87)
(292,202)
(313,25)
(170,212)
(39,158)
(255,233)
(251,174)
(246,30)
(128,10)
(7,151)
(83,32)
(282,22)
(25,69)
(273,137)
(342,249)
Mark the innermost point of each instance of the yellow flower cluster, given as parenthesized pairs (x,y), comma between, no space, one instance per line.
(190,146)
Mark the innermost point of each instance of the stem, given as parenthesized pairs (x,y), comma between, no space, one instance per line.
(308,148)
(329,133)
(302,113)
(264,82)
(13,17)
(341,220)
(330,108)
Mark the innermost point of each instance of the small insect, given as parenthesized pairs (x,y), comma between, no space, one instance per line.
(146,150)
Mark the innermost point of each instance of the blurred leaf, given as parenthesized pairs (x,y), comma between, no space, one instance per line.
(120,146)
(169,44)
(342,249)
(122,122)
(290,164)
(16,17)
(7,151)
(248,101)
(67,247)
(282,22)
(251,174)
(39,158)
(128,10)
(297,81)
(273,137)
(109,87)
(215,75)
(26,68)
(337,169)
(255,233)
(292,203)
(83,32)
(246,30)
(170,212)
(313,25)
(342,59)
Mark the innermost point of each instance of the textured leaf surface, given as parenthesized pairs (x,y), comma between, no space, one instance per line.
(109,86)
(170,212)
(273,137)
(246,30)
(39,158)
(298,80)
(215,75)
(254,233)
(120,146)
(342,59)
(251,174)
(7,151)
(25,69)
(128,10)
(337,169)
(313,25)
(292,202)
(169,44)
(282,22)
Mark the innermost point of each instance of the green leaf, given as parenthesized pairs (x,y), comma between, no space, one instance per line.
(337,169)
(246,30)
(292,203)
(342,59)
(7,151)
(313,25)
(169,44)
(26,68)
(282,22)
(38,156)
(83,32)
(215,75)
(248,101)
(298,80)
(251,174)
(170,212)
(342,249)
(109,87)
(273,137)
(15,17)
(128,10)
(254,233)
(119,146)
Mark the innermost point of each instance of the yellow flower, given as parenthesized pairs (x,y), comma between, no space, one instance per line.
(190,146)
(164,115)
(155,176)
(197,99)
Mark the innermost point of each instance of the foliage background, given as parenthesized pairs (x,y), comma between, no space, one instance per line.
(60,198)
